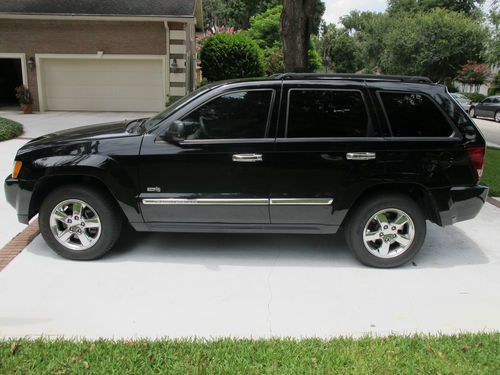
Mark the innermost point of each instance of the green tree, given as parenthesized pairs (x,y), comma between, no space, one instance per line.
(433,44)
(340,51)
(265,27)
(492,53)
(237,13)
(469,7)
(265,30)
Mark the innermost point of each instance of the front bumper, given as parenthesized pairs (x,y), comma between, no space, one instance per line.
(461,203)
(18,197)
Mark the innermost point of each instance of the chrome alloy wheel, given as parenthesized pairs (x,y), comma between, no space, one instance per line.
(75,224)
(497,117)
(388,233)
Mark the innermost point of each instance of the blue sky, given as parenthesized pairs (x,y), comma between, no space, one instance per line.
(337,8)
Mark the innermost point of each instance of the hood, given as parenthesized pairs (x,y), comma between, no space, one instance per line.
(85,133)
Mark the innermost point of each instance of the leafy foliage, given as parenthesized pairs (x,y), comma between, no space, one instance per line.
(23,95)
(434,44)
(265,30)
(265,27)
(227,56)
(492,53)
(472,73)
(340,51)
(494,88)
(9,129)
(474,97)
(468,7)
(237,13)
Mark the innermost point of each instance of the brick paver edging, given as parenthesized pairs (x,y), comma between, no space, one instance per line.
(17,244)
(494,202)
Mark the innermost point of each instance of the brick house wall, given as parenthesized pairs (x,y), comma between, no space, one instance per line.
(86,37)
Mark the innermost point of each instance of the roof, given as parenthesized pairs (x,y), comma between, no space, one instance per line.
(127,8)
(360,77)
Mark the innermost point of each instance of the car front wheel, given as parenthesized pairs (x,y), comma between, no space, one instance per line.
(386,231)
(497,116)
(472,112)
(79,224)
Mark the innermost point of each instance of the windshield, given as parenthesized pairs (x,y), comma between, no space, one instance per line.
(156,120)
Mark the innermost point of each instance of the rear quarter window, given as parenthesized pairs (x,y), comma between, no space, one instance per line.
(414,115)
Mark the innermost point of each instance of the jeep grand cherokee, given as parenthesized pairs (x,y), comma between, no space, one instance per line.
(292,153)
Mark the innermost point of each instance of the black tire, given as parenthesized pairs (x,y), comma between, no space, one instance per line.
(110,221)
(497,117)
(472,112)
(362,215)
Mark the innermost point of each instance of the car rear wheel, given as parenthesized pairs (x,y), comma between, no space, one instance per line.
(386,231)
(472,112)
(79,224)
(497,116)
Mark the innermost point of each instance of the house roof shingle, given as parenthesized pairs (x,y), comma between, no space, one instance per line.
(129,8)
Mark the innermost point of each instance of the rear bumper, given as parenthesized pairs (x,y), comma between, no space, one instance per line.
(461,203)
(18,198)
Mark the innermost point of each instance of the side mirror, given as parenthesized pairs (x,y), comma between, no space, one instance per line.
(175,132)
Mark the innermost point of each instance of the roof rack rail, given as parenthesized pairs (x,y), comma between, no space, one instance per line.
(360,77)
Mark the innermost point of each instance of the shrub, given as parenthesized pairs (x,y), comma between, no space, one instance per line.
(494,88)
(9,129)
(227,56)
(23,95)
(474,97)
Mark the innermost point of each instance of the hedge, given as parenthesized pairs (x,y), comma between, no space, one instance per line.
(227,56)
(9,129)
(474,97)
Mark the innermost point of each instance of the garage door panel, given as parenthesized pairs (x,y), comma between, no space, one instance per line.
(103,85)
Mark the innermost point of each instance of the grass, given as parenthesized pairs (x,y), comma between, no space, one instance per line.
(491,174)
(9,129)
(461,354)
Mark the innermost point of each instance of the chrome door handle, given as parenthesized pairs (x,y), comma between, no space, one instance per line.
(361,155)
(247,158)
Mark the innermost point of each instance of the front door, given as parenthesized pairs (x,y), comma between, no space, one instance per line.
(326,152)
(219,173)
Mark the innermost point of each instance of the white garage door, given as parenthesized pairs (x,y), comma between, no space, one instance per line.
(103,85)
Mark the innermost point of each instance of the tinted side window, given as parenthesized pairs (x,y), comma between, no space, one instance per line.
(414,115)
(237,115)
(326,113)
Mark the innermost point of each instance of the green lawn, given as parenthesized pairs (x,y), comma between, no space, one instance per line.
(462,354)
(491,175)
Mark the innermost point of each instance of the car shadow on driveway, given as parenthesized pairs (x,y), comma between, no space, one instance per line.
(443,248)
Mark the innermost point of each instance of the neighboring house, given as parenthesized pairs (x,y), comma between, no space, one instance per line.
(99,55)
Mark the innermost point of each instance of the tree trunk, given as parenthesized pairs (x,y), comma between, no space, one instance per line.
(296,27)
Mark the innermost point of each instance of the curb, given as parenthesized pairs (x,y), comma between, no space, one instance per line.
(18,244)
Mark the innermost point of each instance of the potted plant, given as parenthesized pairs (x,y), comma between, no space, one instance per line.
(23,95)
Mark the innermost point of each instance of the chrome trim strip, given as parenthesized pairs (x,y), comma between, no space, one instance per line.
(207,201)
(302,201)
(239,201)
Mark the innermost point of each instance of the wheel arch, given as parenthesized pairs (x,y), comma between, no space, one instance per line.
(49,183)
(418,193)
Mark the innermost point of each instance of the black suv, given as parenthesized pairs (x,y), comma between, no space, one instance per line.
(293,153)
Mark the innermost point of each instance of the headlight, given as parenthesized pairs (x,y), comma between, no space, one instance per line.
(17,168)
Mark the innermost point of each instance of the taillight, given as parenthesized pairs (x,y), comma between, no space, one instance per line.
(476,157)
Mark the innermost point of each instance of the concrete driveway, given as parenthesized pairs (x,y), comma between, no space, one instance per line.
(490,130)
(184,285)
(181,285)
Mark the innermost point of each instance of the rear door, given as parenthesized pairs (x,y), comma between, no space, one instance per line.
(328,150)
